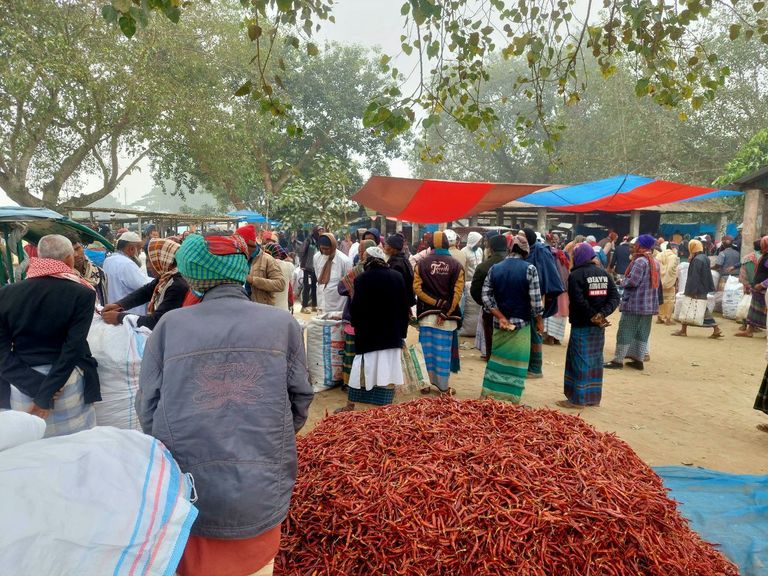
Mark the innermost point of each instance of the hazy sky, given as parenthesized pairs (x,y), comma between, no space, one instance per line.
(367,22)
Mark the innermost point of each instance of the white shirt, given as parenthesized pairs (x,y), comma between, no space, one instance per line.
(474,258)
(281,298)
(124,276)
(328,297)
(353,250)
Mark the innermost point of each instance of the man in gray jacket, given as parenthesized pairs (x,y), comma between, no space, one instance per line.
(224,386)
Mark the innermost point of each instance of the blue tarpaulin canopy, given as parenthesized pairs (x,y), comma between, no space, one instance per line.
(621,193)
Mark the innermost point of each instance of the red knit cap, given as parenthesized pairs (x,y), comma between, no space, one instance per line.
(247,233)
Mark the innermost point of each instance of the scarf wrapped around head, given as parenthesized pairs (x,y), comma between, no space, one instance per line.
(327,240)
(42,267)
(473,239)
(439,241)
(209,262)
(521,241)
(275,250)
(645,246)
(162,255)
(695,246)
(354,272)
(582,254)
(764,244)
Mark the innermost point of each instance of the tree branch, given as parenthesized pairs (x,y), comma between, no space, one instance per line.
(291,171)
(91,197)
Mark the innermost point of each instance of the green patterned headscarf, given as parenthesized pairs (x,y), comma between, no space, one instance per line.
(203,269)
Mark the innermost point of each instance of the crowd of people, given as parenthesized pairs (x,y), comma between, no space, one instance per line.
(224,382)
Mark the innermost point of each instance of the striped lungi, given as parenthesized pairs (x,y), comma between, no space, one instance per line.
(70,414)
(554,326)
(632,337)
(348,358)
(757,311)
(437,345)
(536,360)
(584,366)
(508,365)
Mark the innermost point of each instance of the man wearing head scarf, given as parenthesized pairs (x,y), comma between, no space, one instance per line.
(698,284)
(669,262)
(397,261)
(592,297)
(283,298)
(224,386)
(473,254)
(265,278)
(511,293)
(551,286)
(165,293)
(497,252)
(372,234)
(639,304)
(94,275)
(756,318)
(331,265)
(439,284)
(354,250)
(150,232)
(307,263)
(379,315)
(453,248)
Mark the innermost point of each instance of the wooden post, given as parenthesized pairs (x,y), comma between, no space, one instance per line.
(722,225)
(473,220)
(499,217)
(634,223)
(754,206)
(541,221)
(399,226)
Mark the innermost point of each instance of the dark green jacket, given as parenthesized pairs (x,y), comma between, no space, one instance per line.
(476,290)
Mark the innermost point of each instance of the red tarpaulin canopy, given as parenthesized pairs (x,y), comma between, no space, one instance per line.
(431,201)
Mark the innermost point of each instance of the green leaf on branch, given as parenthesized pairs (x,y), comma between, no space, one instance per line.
(127,25)
(109,14)
(734,31)
(254,31)
(245,89)
(312,49)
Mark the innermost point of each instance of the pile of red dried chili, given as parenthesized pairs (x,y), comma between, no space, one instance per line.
(478,487)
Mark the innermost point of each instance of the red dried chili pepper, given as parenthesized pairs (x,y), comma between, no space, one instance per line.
(439,486)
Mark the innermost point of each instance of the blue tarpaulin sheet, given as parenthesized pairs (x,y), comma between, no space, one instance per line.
(692,230)
(728,510)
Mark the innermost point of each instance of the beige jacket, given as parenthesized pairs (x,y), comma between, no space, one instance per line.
(265,278)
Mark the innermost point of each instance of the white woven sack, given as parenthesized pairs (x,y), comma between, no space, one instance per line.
(742,310)
(118,350)
(692,311)
(732,294)
(325,353)
(95,503)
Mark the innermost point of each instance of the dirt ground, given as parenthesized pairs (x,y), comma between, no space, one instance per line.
(691,405)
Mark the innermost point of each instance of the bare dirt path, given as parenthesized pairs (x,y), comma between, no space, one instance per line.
(691,405)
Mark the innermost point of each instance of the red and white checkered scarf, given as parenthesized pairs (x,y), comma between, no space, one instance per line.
(162,255)
(41,267)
